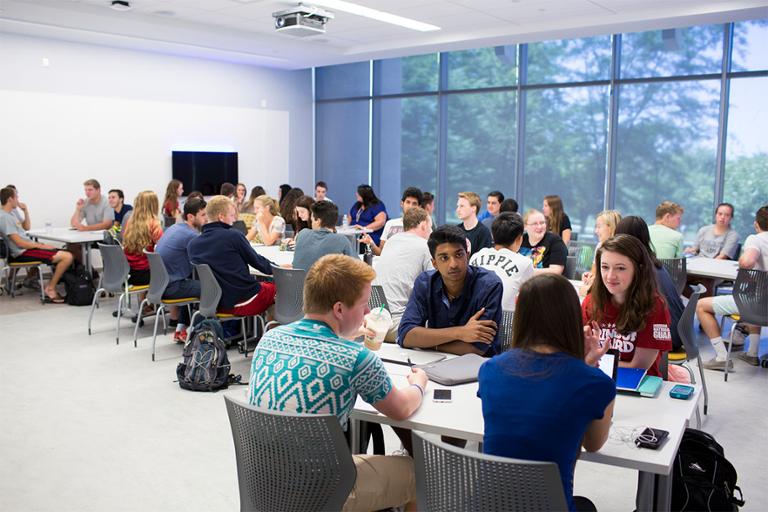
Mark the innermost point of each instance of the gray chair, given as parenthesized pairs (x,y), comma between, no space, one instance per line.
(11,269)
(378,298)
(289,298)
(505,329)
(677,271)
(451,478)
(750,292)
(289,462)
(158,282)
(114,279)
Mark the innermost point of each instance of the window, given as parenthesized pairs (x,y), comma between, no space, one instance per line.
(343,81)
(570,60)
(408,74)
(750,40)
(485,67)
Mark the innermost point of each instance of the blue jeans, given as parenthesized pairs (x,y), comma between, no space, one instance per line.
(181,290)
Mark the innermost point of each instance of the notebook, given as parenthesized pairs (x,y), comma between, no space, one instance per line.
(392,353)
(629,379)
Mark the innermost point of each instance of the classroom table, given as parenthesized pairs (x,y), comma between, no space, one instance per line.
(711,267)
(278,257)
(463,419)
(70,236)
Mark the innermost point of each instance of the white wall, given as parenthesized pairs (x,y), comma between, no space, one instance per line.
(116,115)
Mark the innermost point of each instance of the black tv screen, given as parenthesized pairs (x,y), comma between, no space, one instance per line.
(204,171)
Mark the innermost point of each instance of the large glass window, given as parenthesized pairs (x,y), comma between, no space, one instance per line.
(746,167)
(405,144)
(407,74)
(341,152)
(679,51)
(570,60)
(481,145)
(484,67)
(343,81)
(750,40)
(565,132)
(666,149)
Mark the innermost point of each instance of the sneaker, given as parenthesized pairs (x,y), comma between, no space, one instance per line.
(749,359)
(715,364)
(33,283)
(180,336)
(740,334)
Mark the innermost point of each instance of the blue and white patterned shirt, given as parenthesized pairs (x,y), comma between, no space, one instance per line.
(305,367)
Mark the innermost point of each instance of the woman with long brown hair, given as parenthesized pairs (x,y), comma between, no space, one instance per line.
(557,221)
(543,399)
(624,301)
(302,214)
(142,232)
(173,191)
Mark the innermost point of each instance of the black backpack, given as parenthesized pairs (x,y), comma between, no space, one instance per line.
(78,285)
(205,366)
(702,478)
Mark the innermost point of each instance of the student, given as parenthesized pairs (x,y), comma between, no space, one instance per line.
(412,198)
(288,207)
(302,214)
(256,192)
(228,190)
(240,193)
(624,302)
(116,201)
(140,233)
(172,248)
(268,225)
(310,367)
(456,308)
(544,399)
(605,227)
(557,221)
(402,260)
(23,249)
(21,212)
(229,255)
(282,191)
(492,208)
(546,250)
(94,209)
(509,205)
(313,244)
(637,227)
(753,256)
(512,268)
(667,241)
(428,203)
(467,208)
(321,190)
(173,192)
(717,240)
(368,212)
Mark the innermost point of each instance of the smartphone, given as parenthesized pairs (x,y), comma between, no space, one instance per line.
(651,438)
(441,395)
(681,392)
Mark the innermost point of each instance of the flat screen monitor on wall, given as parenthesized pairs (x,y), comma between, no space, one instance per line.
(204,171)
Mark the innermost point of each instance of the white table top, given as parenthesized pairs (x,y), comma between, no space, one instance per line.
(67,235)
(711,267)
(273,254)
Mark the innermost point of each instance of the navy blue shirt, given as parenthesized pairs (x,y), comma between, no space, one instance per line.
(229,253)
(172,247)
(429,305)
(674,303)
(121,214)
(538,406)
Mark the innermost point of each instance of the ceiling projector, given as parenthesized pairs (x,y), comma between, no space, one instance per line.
(302,20)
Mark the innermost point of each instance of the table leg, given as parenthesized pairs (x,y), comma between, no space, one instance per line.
(86,251)
(654,492)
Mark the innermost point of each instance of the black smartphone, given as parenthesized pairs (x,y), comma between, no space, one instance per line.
(441,395)
(651,438)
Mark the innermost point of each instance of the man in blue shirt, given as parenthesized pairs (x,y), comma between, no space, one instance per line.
(172,247)
(456,308)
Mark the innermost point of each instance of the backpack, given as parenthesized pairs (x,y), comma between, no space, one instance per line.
(702,478)
(205,366)
(78,285)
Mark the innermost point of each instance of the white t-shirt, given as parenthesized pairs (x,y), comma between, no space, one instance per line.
(391,228)
(759,242)
(512,268)
(403,258)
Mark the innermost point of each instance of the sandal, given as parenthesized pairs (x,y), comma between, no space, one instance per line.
(54,300)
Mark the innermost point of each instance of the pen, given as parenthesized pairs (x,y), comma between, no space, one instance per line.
(410,363)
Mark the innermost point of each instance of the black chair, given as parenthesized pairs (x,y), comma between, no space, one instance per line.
(378,298)
(505,329)
(750,292)
(677,271)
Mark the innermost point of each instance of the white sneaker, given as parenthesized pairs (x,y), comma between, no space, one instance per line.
(740,334)
(716,364)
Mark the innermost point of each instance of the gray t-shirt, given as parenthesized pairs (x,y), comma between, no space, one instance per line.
(403,258)
(10,225)
(711,245)
(97,213)
(313,244)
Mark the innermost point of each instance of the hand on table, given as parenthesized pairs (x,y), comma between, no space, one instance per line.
(418,376)
(478,330)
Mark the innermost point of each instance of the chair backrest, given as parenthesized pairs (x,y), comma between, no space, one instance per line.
(240,226)
(677,271)
(289,300)
(450,478)
(378,298)
(685,324)
(570,267)
(158,278)
(210,291)
(116,268)
(751,295)
(505,329)
(288,461)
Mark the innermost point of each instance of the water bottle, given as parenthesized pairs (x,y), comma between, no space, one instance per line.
(345,221)
(368,255)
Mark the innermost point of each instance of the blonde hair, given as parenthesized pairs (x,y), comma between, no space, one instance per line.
(611,219)
(92,183)
(668,207)
(144,220)
(530,212)
(218,205)
(474,200)
(270,204)
(335,278)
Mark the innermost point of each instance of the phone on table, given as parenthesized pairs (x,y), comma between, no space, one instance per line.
(681,391)
(441,395)
(651,438)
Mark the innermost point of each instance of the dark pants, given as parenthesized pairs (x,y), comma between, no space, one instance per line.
(181,290)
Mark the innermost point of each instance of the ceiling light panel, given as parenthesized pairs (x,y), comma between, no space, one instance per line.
(383,16)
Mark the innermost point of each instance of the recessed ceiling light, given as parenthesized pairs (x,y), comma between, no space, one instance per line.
(120,5)
(367,12)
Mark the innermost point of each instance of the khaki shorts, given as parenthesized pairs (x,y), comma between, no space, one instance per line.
(383,481)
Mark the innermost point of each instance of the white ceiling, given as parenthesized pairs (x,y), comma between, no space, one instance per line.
(242,30)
